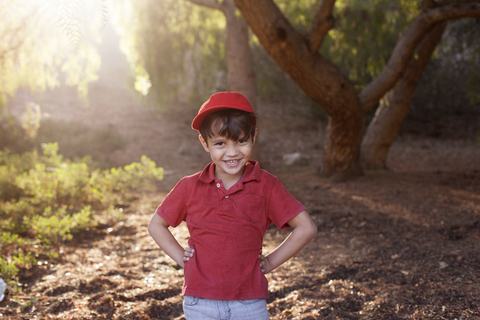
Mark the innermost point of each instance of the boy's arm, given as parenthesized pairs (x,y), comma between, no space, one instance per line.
(304,230)
(158,229)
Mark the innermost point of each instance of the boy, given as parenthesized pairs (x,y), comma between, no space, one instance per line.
(228,207)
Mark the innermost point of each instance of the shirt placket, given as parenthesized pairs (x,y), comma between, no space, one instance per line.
(221,191)
(226,193)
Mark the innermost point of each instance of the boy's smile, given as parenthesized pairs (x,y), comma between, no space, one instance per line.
(229,156)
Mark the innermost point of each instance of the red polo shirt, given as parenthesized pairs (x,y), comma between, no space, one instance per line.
(226,229)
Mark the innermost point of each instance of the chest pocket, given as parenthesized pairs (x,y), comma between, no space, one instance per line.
(249,207)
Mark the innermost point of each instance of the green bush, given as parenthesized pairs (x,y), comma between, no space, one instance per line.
(8,272)
(54,227)
(44,199)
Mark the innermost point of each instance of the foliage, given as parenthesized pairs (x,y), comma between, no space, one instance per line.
(173,46)
(451,81)
(72,18)
(178,49)
(31,120)
(8,272)
(360,55)
(44,200)
(56,227)
(299,13)
(34,53)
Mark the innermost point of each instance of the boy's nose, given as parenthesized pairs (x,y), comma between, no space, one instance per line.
(232,151)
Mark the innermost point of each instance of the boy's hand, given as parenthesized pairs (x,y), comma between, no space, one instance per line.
(188,253)
(264,264)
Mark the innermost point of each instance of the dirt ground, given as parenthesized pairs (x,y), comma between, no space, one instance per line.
(397,244)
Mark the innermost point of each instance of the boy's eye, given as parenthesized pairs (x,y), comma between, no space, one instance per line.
(220,143)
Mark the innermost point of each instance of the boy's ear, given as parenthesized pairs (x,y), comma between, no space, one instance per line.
(255,136)
(204,143)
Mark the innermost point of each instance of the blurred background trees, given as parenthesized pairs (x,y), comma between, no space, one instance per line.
(450,84)
(178,55)
(34,49)
(359,45)
(176,49)
(39,51)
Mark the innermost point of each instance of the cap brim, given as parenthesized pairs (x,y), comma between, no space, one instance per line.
(198,120)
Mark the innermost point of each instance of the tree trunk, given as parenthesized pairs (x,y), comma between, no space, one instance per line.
(392,111)
(240,75)
(408,43)
(342,147)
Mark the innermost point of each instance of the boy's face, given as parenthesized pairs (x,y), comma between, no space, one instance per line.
(229,156)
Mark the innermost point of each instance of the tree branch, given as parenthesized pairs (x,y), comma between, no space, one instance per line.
(322,23)
(213,4)
(389,116)
(407,44)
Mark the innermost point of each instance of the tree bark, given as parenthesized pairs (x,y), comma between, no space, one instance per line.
(389,116)
(240,75)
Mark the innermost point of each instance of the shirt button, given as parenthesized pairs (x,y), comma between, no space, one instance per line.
(218,185)
(226,197)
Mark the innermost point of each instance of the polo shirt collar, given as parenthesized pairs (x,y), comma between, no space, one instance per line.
(251,173)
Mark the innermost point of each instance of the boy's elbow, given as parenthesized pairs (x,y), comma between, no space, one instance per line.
(312,230)
(149,228)
(151,225)
(306,226)
(155,224)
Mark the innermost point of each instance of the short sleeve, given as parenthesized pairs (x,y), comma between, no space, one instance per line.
(173,209)
(281,205)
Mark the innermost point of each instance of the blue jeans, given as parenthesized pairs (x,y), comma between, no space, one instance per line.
(206,309)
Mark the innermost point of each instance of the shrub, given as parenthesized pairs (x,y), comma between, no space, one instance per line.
(44,199)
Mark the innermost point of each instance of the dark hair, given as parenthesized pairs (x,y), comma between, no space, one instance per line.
(229,123)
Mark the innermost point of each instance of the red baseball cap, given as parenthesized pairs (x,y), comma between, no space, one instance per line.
(220,101)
